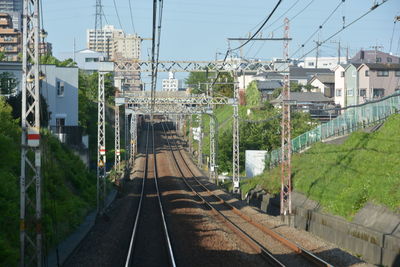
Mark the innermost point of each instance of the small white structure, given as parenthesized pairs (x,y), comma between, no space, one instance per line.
(255,162)
(170,84)
(323,62)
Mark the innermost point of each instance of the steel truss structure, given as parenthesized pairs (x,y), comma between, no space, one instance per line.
(101,146)
(286,188)
(193,66)
(31,179)
(117,162)
(200,147)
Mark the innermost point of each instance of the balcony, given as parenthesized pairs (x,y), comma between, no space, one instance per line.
(8,40)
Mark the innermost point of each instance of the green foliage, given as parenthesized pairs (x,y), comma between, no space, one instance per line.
(51,60)
(69,190)
(2,56)
(8,83)
(344,177)
(253,95)
(294,87)
(16,101)
(197,82)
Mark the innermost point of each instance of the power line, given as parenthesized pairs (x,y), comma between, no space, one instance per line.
(319,27)
(116,11)
(130,11)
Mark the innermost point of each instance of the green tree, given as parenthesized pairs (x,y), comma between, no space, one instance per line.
(8,83)
(2,56)
(197,82)
(51,60)
(253,95)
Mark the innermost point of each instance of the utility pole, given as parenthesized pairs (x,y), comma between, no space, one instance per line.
(235,135)
(31,178)
(117,161)
(286,187)
(317,53)
(200,148)
(339,49)
(133,138)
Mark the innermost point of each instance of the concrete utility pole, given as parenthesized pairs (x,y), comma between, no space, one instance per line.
(339,49)
(317,53)
(31,178)
(286,187)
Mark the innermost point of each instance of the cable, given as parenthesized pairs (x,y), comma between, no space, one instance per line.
(130,11)
(295,16)
(339,31)
(104,15)
(259,29)
(320,27)
(116,11)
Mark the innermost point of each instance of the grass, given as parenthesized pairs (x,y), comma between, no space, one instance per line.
(342,178)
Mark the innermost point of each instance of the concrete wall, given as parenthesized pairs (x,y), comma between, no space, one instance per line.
(374,233)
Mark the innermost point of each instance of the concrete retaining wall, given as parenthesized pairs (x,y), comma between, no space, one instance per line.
(376,239)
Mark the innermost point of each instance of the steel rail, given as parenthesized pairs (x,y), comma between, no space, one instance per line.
(138,213)
(254,244)
(309,256)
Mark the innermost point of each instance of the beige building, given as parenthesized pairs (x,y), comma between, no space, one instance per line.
(340,85)
(125,46)
(377,80)
(10,38)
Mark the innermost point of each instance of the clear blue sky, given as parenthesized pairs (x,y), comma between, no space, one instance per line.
(196,30)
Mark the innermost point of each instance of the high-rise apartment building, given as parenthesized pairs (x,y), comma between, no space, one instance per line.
(104,39)
(125,46)
(10,38)
(14,8)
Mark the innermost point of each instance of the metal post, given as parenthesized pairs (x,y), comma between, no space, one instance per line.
(213,149)
(286,189)
(101,144)
(117,163)
(190,135)
(200,148)
(133,138)
(126,132)
(30,180)
(235,135)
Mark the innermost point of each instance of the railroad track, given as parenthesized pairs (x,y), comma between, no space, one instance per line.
(150,226)
(276,249)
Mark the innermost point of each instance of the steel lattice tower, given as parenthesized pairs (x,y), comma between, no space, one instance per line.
(30,180)
(101,142)
(117,140)
(98,24)
(286,187)
(235,136)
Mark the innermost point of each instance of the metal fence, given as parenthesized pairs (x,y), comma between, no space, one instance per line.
(351,119)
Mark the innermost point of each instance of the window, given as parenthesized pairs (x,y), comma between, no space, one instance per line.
(389,59)
(378,92)
(60,88)
(342,74)
(382,73)
(366,73)
(310,64)
(338,92)
(397,73)
(350,92)
(378,60)
(363,92)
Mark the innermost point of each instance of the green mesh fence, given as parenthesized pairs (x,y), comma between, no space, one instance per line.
(351,119)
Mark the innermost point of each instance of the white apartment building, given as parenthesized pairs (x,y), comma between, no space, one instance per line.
(170,84)
(323,62)
(104,39)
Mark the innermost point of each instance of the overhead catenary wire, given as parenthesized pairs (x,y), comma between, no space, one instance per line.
(131,15)
(337,32)
(116,11)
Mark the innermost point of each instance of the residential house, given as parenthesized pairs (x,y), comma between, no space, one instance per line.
(303,75)
(89,61)
(351,85)
(266,88)
(377,80)
(374,56)
(339,85)
(324,83)
(310,102)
